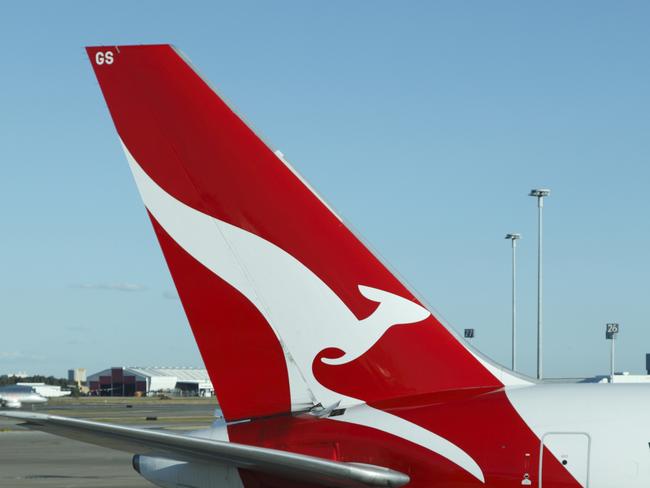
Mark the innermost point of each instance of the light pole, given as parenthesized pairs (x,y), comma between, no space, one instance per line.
(514,238)
(540,194)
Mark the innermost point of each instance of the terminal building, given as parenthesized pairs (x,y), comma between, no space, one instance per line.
(135,381)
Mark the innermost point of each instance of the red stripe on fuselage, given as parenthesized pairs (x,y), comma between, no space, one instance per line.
(483,424)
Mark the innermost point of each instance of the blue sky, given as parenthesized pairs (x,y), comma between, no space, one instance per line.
(424,123)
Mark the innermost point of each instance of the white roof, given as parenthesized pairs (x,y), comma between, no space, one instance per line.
(182,375)
(163,378)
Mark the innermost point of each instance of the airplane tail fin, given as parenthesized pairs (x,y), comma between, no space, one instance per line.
(288,307)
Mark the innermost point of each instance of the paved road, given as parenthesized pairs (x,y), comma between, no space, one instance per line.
(35,459)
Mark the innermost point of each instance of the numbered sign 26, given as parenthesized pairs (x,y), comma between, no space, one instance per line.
(611,330)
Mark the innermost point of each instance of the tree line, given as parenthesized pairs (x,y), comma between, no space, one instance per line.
(48,380)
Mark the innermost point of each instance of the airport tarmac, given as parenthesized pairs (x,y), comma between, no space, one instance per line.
(36,459)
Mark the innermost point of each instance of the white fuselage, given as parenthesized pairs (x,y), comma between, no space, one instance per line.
(17,399)
(601,431)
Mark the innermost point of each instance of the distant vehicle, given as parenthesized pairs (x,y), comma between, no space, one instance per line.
(15,396)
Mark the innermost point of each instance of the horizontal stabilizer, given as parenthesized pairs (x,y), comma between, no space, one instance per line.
(182,447)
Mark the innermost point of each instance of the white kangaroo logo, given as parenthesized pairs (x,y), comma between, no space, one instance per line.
(392,310)
(305,314)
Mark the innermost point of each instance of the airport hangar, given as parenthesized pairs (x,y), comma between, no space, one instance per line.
(136,381)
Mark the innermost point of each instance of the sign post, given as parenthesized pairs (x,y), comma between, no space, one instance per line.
(611,331)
